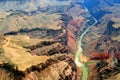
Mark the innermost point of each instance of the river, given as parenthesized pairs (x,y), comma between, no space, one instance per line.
(79,51)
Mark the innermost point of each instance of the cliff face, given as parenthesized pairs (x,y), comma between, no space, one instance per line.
(36,40)
(67,24)
(102,41)
(107,28)
(106,70)
(40,36)
(27,64)
(106,40)
(59,67)
(75,24)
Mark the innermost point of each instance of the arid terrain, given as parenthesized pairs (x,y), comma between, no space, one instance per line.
(39,39)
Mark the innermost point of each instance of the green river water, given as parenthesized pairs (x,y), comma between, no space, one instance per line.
(79,53)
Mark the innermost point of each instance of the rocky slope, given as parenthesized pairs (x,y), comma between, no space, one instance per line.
(48,31)
(106,70)
(102,41)
(36,42)
(106,32)
(16,21)
(20,63)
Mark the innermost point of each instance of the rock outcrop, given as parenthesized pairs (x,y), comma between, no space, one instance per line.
(21,63)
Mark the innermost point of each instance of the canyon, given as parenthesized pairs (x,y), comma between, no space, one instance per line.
(41,38)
